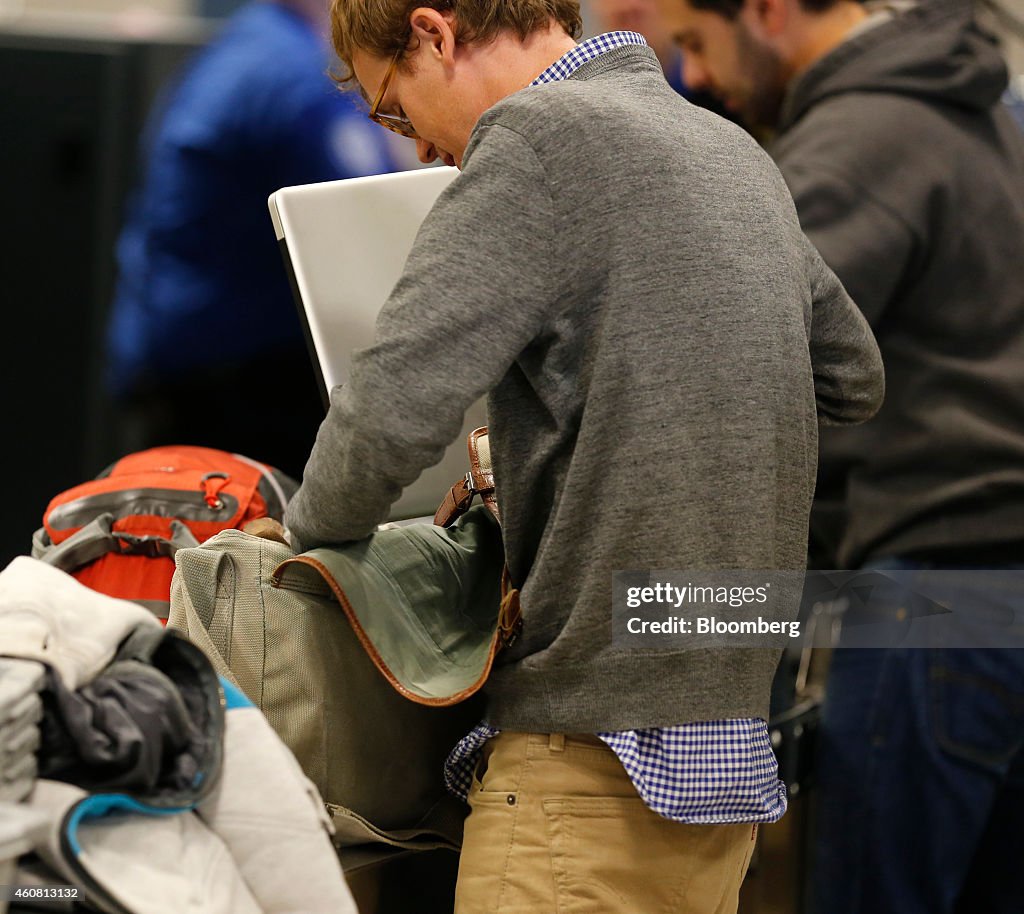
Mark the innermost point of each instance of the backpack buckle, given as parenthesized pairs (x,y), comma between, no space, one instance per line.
(150,546)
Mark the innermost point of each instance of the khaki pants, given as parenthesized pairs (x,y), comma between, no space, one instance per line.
(556,827)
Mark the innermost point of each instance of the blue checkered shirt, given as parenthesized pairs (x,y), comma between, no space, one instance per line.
(572,60)
(708,772)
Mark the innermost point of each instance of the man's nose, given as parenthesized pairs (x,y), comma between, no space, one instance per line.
(426,151)
(695,74)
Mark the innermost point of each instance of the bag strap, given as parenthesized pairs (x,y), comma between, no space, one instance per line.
(194,606)
(510,614)
(98,538)
(203,574)
(478,481)
(456,502)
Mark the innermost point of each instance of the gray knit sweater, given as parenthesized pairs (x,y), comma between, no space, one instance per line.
(625,274)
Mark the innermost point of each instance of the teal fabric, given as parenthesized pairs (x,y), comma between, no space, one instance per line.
(98,805)
(426,597)
(234,697)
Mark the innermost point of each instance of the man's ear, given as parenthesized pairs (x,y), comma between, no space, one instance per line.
(433,29)
(765,19)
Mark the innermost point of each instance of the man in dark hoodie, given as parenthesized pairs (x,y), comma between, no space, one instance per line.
(909,178)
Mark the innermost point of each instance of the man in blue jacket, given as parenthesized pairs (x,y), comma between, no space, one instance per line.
(205,342)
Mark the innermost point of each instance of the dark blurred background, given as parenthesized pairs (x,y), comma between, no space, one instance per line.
(76,91)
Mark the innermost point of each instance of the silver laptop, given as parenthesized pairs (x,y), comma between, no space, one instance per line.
(344,245)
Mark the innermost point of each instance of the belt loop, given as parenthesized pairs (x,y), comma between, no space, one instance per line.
(556,742)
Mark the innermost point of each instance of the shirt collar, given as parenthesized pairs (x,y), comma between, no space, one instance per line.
(570,62)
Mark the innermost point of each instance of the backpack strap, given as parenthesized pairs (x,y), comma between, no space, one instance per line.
(98,538)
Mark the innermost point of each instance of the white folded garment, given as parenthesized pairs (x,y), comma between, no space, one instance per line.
(18,779)
(20,683)
(21,709)
(46,615)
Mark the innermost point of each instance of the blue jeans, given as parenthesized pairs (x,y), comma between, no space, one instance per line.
(920,782)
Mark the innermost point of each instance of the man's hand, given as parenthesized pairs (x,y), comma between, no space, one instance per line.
(267,528)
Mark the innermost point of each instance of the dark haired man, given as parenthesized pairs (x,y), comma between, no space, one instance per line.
(650,407)
(908,176)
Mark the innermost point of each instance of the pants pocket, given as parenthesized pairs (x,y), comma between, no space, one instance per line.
(976,699)
(613,855)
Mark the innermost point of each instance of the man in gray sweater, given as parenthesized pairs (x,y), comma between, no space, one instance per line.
(625,276)
(908,175)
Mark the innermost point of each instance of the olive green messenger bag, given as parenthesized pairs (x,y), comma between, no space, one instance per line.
(366,658)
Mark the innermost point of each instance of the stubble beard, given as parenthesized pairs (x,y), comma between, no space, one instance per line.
(766,77)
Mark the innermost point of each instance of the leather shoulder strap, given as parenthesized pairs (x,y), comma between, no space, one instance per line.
(478,481)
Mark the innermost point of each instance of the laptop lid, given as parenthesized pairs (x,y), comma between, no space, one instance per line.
(344,245)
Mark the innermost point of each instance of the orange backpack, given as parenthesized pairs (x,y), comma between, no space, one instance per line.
(118,533)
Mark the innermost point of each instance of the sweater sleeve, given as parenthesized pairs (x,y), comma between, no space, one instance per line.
(849,381)
(476,289)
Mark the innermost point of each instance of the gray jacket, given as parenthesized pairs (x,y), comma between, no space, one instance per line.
(625,274)
(909,178)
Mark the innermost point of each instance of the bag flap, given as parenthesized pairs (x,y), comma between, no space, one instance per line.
(424,601)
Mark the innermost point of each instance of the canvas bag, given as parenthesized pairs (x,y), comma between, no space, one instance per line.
(438,640)
(364,658)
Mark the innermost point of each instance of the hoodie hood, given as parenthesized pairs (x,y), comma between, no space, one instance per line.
(933,51)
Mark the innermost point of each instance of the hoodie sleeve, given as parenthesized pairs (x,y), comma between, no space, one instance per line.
(869,246)
(863,192)
(475,291)
(849,381)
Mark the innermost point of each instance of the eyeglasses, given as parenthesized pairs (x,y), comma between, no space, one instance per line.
(399,124)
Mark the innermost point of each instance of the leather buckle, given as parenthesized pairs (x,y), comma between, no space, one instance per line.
(464,498)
